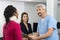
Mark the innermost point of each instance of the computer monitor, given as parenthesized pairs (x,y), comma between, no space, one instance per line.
(35,27)
(58,25)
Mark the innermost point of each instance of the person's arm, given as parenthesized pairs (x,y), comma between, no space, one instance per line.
(3,32)
(30,28)
(49,33)
(37,33)
(25,38)
(18,33)
(3,36)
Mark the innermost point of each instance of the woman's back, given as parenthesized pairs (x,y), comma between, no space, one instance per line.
(12,31)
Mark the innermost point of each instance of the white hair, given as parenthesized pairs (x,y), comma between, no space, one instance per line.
(41,5)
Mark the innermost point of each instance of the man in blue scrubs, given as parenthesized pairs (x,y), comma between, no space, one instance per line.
(47,25)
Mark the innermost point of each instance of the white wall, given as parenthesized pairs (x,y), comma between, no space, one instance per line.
(58,13)
(3,4)
(31,9)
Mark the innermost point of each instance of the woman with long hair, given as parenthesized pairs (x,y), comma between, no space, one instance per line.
(11,29)
(25,26)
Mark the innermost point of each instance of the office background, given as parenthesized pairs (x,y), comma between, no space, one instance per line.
(28,6)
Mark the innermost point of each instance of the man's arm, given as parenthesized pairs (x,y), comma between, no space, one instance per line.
(49,33)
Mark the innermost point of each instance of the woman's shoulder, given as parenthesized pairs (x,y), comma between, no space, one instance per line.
(21,23)
(14,23)
(29,24)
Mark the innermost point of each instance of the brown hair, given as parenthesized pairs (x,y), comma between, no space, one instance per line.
(24,13)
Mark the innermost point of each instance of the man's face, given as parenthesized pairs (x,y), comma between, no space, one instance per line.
(40,11)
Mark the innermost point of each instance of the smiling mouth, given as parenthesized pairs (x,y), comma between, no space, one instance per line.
(39,14)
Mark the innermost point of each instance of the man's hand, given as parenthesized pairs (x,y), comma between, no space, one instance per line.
(30,34)
(25,38)
(33,37)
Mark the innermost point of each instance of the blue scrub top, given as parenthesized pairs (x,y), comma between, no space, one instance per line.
(43,26)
